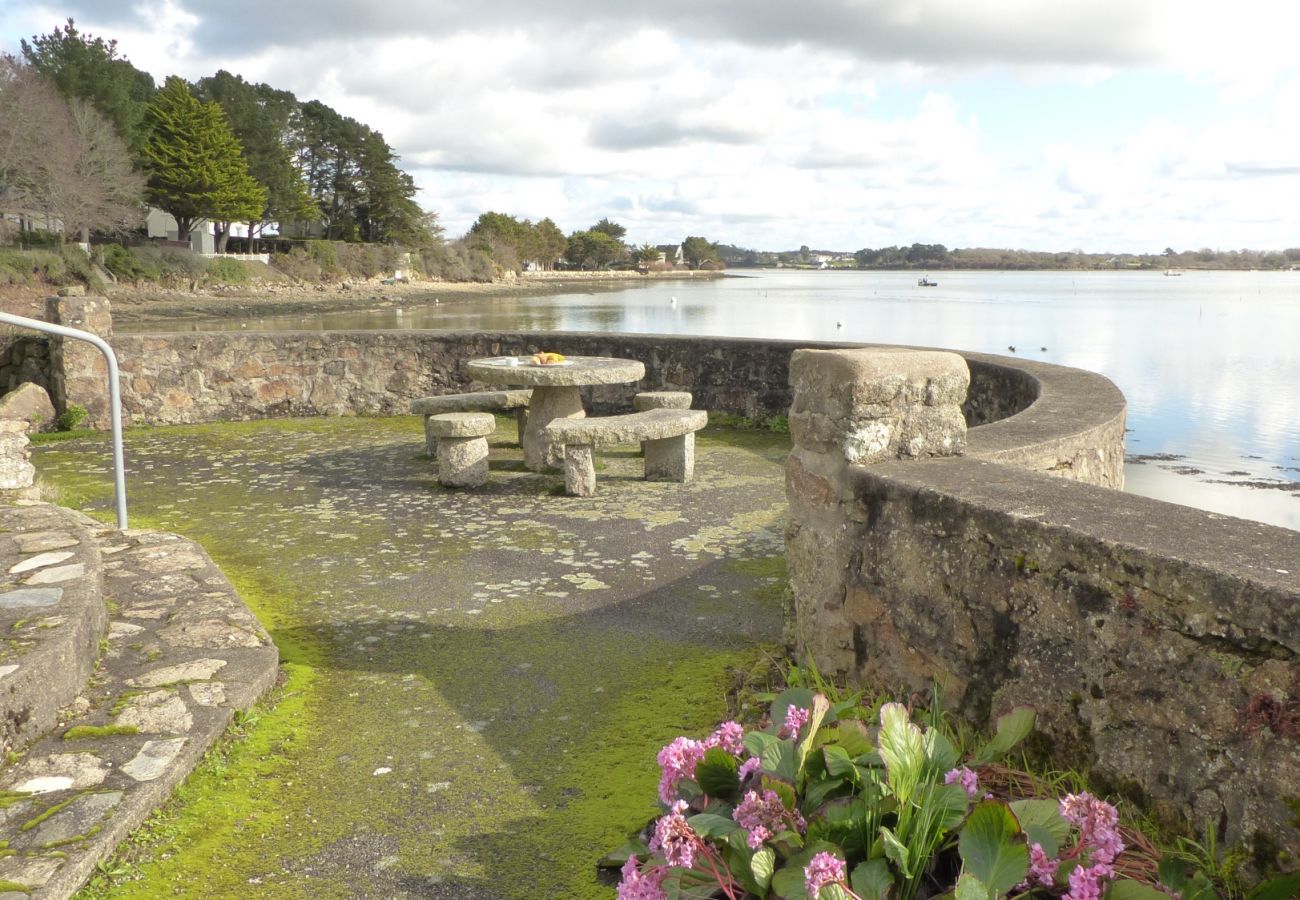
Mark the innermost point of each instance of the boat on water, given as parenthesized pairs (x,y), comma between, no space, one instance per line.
(926,282)
(1170,273)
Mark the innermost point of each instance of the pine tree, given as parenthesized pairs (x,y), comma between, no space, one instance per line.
(196,166)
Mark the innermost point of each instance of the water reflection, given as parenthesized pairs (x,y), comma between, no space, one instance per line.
(1209,362)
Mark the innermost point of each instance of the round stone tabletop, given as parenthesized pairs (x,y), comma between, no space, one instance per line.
(574,371)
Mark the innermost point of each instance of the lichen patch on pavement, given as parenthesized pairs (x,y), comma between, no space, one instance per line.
(478,681)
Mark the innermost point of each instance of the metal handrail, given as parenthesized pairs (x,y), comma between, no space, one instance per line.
(114,397)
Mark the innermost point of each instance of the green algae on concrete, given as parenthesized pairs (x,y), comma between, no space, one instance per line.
(476,683)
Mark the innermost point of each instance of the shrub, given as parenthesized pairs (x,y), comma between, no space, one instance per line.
(129,266)
(297,264)
(71,417)
(15,267)
(227,271)
(38,239)
(322,253)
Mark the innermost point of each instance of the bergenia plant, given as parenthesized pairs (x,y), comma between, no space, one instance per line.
(822,804)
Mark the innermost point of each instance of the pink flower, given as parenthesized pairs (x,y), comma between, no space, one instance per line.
(1085,883)
(1098,824)
(749,767)
(764,816)
(677,760)
(1042,869)
(730,736)
(675,839)
(795,719)
(822,869)
(638,885)
(970,782)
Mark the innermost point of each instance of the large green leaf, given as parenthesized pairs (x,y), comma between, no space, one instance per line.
(819,792)
(716,774)
(839,762)
(872,880)
(758,741)
(949,802)
(971,888)
(1012,728)
(896,850)
(781,759)
(788,881)
(799,697)
(762,866)
(1128,889)
(1286,887)
(711,825)
(854,737)
(687,884)
(1043,823)
(939,751)
(902,749)
(993,848)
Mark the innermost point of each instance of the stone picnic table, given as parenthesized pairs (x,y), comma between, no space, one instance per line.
(556,393)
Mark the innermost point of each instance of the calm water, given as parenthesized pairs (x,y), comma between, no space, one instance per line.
(1209,361)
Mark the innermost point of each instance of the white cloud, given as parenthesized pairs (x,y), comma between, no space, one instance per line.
(837,123)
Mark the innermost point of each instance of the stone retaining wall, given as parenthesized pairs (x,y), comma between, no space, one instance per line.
(1160,643)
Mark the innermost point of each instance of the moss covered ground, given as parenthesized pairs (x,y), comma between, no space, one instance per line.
(475,683)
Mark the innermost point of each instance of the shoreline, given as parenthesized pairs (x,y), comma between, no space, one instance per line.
(273,298)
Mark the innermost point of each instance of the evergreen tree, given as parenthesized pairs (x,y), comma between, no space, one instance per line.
(196,165)
(260,117)
(89,67)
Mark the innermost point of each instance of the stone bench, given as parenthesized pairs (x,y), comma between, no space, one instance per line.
(668,436)
(480,401)
(661,400)
(461,446)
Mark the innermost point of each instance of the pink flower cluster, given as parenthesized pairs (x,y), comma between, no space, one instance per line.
(638,885)
(1098,824)
(675,838)
(970,782)
(1098,845)
(678,759)
(1086,882)
(795,719)
(822,869)
(764,816)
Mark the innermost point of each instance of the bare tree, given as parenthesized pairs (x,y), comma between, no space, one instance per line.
(33,120)
(99,189)
(63,160)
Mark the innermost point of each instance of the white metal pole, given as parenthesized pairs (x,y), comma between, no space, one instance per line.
(114,397)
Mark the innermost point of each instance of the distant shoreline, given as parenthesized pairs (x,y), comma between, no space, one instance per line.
(162,305)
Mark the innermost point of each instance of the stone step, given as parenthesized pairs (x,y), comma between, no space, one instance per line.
(52,616)
(181,654)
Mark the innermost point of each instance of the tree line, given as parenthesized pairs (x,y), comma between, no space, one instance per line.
(937,257)
(514,243)
(86,139)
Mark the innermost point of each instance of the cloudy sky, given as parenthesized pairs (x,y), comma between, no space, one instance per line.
(1094,124)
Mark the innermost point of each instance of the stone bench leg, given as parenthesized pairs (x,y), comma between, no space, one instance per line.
(430,440)
(579,470)
(521,422)
(462,462)
(670,459)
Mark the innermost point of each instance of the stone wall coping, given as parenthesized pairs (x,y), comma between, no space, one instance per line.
(1070,402)
(1266,555)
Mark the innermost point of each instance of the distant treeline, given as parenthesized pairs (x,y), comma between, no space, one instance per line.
(937,256)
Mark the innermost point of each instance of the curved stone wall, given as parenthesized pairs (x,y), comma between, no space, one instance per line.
(1159,642)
